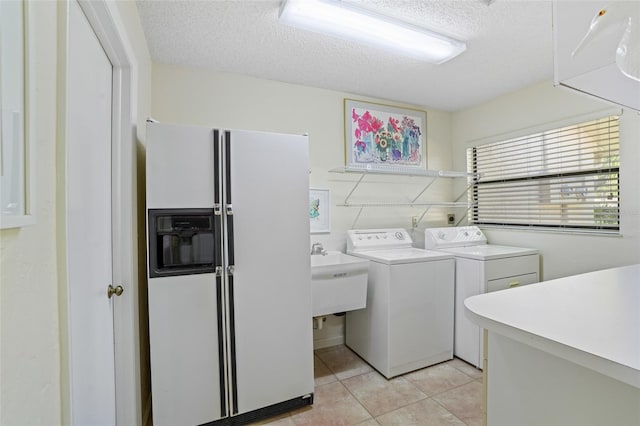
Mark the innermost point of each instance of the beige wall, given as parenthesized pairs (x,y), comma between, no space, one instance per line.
(230,101)
(30,352)
(533,109)
(30,330)
(30,358)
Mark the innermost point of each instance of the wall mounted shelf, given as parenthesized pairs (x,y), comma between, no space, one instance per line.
(365,170)
(386,170)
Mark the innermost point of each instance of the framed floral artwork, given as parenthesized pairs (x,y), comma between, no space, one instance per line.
(384,137)
(319,211)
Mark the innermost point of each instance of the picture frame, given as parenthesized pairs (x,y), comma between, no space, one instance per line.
(384,137)
(319,211)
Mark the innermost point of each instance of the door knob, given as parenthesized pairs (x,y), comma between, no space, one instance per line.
(114,290)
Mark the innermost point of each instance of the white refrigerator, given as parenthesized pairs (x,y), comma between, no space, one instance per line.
(229,285)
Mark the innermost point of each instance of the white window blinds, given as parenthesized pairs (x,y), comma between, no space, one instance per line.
(561,178)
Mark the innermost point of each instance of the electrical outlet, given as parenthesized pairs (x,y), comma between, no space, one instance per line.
(414,221)
(451,218)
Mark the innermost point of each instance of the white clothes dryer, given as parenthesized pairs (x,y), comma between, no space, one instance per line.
(408,321)
(480,268)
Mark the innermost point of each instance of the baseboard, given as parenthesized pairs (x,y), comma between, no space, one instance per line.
(331,333)
(328,342)
(146,412)
(264,412)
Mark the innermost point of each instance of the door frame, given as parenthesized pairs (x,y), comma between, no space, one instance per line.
(104,18)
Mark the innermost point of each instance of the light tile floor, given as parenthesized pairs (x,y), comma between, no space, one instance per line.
(350,392)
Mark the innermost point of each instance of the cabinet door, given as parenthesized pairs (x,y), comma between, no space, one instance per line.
(511,282)
(511,266)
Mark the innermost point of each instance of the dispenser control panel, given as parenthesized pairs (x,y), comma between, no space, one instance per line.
(181,242)
(377,239)
(460,236)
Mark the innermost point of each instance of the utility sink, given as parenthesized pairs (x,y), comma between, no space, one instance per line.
(338,283)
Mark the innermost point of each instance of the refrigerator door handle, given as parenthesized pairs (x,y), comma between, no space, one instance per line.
(217,215)
(228,205)
(230,269)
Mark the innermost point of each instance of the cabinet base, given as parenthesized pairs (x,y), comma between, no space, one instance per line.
(265,412)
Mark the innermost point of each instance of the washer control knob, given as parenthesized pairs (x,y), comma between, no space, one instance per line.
(399,235)
(441,235)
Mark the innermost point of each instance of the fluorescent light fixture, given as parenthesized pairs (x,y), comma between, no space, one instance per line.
(344,20)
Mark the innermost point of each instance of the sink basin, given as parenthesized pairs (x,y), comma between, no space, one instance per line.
(338,283)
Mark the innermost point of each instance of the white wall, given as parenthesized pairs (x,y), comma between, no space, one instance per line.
(30,348)
(224,100)
(542,106)
(31,368)
(231,101)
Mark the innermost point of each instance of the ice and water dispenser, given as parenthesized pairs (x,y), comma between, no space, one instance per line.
(181,242)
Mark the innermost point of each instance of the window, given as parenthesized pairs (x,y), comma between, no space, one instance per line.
(16,153)
(562,178)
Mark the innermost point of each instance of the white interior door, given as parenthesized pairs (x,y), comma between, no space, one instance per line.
(89,229)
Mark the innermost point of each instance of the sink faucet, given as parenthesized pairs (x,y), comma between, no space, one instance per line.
(317,248)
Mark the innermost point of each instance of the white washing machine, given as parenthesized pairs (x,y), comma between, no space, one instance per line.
(408,321)
(480,268)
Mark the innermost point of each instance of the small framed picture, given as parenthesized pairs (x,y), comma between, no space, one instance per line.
(319,211)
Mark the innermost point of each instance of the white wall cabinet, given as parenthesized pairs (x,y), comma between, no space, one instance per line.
(593,70)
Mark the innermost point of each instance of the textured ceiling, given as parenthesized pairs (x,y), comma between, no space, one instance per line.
(509,46)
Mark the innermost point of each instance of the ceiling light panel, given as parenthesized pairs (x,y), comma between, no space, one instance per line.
(344,20)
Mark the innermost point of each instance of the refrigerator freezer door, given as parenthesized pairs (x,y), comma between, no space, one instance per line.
(269,186)
(180,170)
(183,332)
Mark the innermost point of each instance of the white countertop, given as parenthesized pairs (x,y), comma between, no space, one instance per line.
(489,251)
(590,319)
(401,255)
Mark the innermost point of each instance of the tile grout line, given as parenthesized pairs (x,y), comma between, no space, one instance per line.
(358,401)
(431,397)
(449,411)
(397,408)
(339,380)
(427,396)
(349,390)
(467,364)
(448,390)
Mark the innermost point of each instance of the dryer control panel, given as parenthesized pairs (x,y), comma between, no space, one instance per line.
(461,236)
(377,239)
